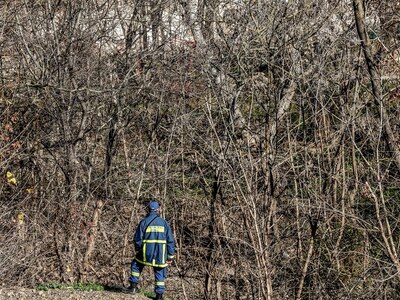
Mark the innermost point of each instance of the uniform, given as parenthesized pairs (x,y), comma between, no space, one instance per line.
(155,247)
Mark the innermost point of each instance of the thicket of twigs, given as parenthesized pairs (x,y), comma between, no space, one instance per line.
(268,130)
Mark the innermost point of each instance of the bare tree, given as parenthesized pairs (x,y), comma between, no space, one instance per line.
(267,129)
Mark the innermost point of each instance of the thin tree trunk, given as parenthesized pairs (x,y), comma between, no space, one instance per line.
(314,226)
(372,66)
(92,235)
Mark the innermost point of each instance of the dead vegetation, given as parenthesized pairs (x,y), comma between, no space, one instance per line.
(267,130)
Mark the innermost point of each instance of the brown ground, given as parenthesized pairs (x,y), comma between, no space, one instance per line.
(61,294)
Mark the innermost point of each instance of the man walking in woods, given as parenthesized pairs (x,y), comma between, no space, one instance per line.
(155,246)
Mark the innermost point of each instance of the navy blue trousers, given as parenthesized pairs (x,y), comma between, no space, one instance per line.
(159,276)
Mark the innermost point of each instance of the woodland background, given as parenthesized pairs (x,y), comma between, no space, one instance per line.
(269,131)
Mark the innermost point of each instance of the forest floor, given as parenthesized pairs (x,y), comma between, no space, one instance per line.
(17,293)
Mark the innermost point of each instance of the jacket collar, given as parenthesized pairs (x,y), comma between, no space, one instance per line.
(152,213)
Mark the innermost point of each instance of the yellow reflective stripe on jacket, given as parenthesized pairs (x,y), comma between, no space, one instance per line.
(155,241)
(135,274)
(155,229)
(160,283)
(150,264)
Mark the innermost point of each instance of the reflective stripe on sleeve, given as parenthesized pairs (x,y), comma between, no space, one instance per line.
(160,283)
(135,274)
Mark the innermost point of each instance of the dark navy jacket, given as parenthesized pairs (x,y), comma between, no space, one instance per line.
(154,242)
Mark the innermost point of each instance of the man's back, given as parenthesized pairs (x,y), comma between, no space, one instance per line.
(154,239)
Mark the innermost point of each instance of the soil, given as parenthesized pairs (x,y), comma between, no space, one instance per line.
(17,293)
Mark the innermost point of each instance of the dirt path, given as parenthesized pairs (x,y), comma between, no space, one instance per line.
(63,294)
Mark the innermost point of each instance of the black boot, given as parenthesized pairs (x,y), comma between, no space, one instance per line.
(132,289)
(159,296)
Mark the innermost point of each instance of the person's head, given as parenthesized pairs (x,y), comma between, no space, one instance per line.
(154,206)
